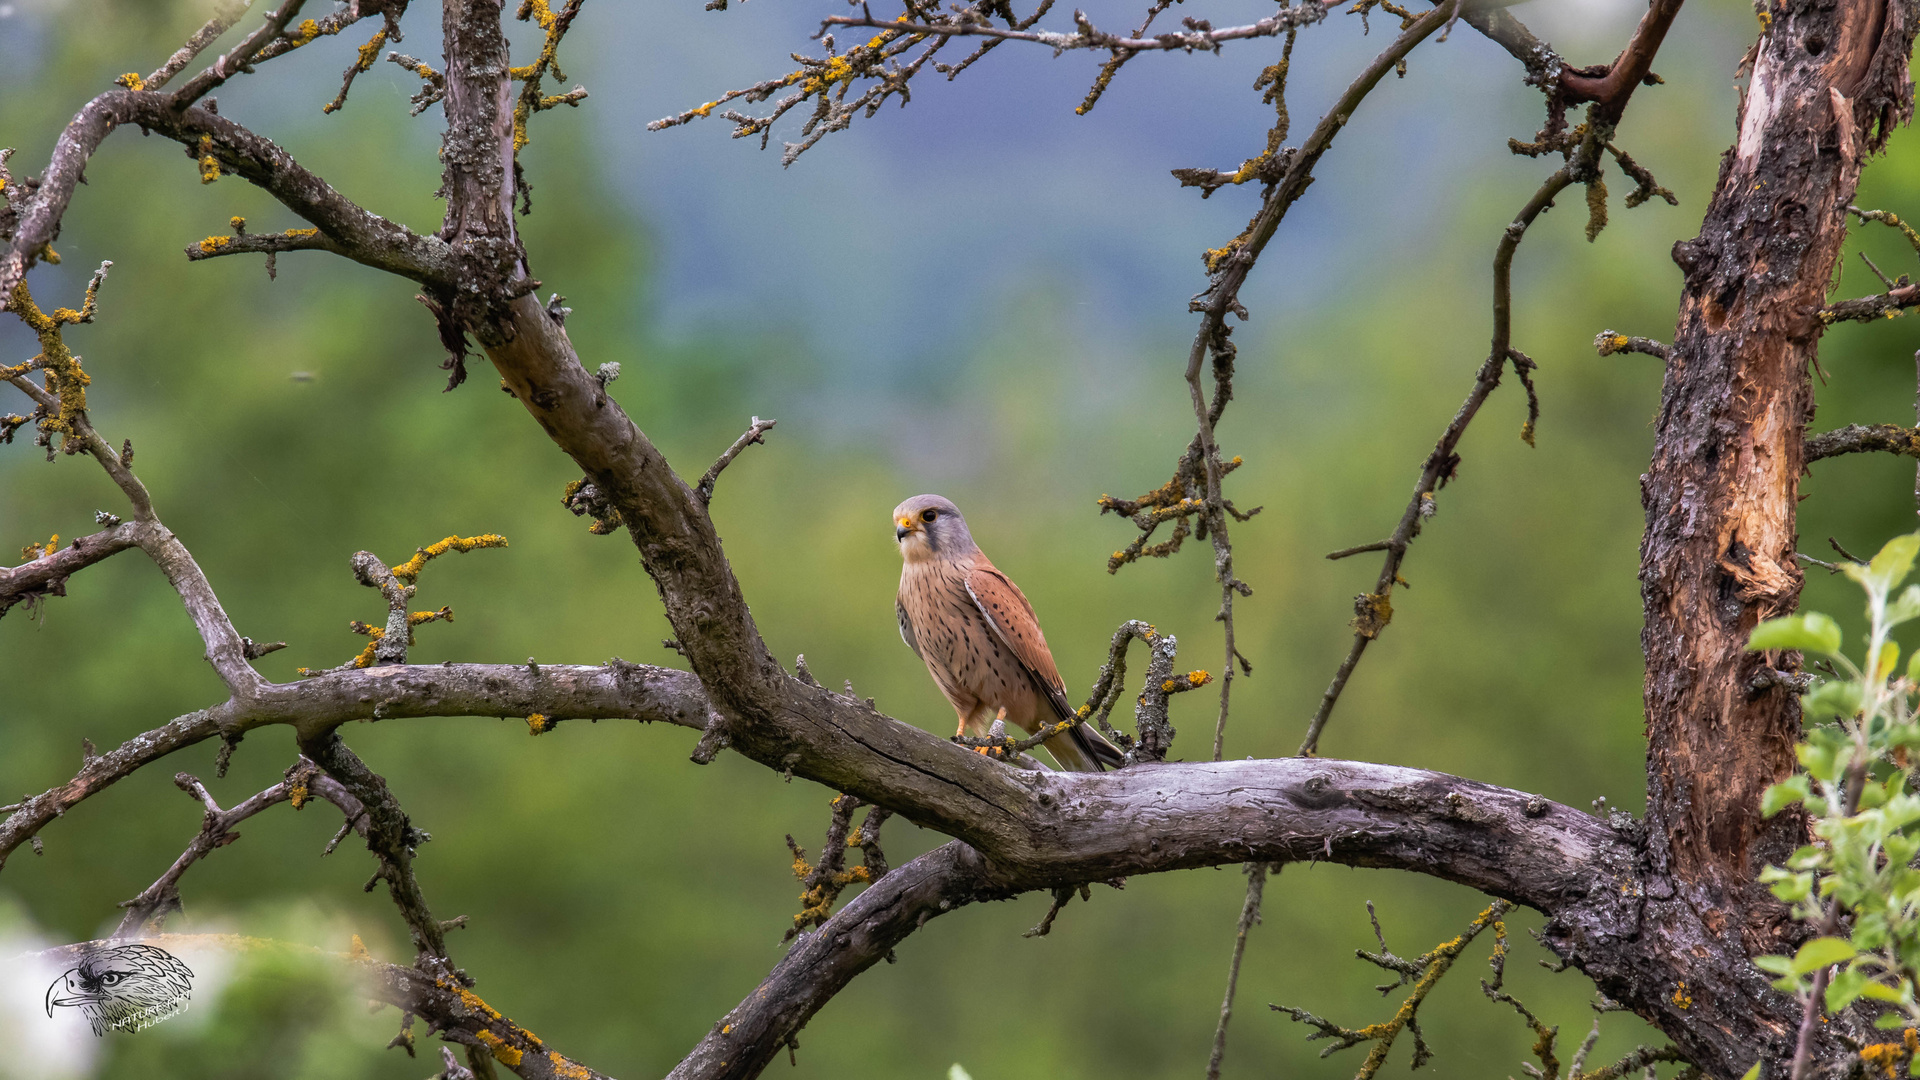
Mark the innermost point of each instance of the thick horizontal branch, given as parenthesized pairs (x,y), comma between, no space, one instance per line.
(315,706)
(1041,829)
(1340,810)
(1864,438)
(362,236)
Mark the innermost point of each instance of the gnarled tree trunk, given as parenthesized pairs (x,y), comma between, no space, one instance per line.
(1828,82)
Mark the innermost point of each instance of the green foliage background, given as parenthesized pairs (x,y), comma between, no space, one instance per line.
(623,899)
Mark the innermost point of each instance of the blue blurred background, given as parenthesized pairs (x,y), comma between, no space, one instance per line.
(982,295)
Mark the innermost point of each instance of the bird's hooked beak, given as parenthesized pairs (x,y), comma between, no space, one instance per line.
(902,526)
(66,981)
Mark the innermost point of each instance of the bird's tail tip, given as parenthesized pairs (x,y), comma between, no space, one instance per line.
(1083,749)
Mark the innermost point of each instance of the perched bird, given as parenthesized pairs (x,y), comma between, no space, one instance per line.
(979,637)
(124,987)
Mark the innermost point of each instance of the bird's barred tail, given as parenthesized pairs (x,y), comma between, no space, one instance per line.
(1083,749)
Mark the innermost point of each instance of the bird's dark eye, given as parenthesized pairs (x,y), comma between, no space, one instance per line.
(111,978)
(928,515)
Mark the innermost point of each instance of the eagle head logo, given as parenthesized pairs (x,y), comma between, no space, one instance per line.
(124,987)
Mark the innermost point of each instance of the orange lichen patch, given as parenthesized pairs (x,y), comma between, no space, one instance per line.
(409,571)
(209,165)
(65,379)
(1681,998)
(301,234)
(1883,1055)
(541,13)
(471,1000)
(1215,257)
(1198,678)
(132,81)
(567,1070)
(358,950)
(371,51)
(837,70)
(297,795)
(307,31)
(213,244)
(35,551)
(237,224)
(1371,614)
(503,1053)
(540,724)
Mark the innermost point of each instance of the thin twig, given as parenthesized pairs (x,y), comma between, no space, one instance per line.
(225,14)
(1087,37)
(148,911)
(1374,610)
(240,59)
(1249,917)
(755,433)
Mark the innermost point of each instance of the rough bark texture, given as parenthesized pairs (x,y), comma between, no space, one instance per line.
(1828,79)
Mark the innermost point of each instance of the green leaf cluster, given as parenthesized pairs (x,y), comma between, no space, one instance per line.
(1857,881)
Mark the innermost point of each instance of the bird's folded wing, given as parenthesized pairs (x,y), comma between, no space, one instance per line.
(906,627)
(1006,610)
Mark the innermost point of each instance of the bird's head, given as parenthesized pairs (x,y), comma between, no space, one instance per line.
(930,527)
(123,980)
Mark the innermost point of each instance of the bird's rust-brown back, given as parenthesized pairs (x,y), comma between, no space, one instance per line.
(1002,603)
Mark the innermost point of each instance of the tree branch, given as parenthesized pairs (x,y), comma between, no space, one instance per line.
(146,912)
(1087,37)
(392,839)
(1372,611)
(1864,438)
(225,14)
(361,235)
(1610,92)
(755,433)
(47,575)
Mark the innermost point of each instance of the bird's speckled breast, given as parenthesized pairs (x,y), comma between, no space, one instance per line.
(976,672)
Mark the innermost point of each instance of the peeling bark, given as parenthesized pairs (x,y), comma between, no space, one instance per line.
(1827,83)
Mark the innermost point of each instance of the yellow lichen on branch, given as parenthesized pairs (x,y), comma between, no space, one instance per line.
(1371,614)
(409,571)
(37,551)
(306,32)
(65,378)
(548,62)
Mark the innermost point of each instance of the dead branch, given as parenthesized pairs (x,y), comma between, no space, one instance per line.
(392,838)
(1089,37)
(48,574)
(147,912)
(362,236)
(1607,343)
(756,433)
(1249,918)
(1864,438)
(1372,611)
(1609,92)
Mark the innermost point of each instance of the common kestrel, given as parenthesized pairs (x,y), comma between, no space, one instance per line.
(979,637)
